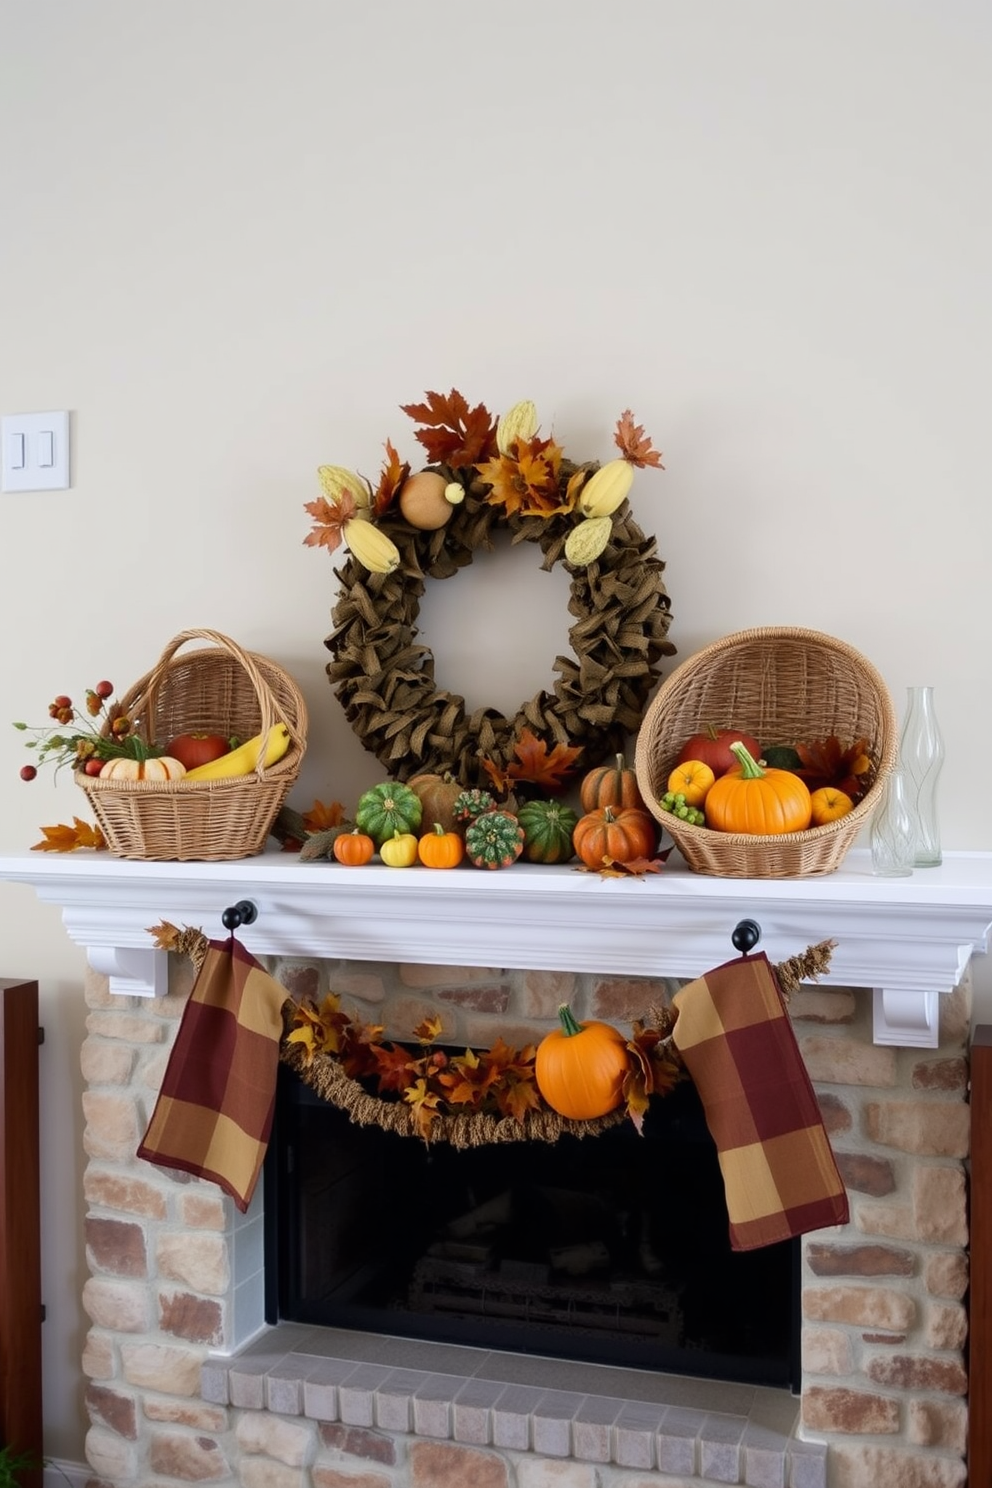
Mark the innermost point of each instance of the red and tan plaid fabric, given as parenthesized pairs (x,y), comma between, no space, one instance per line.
(736,1038)
(213,1116)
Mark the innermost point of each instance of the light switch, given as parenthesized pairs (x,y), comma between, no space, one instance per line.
(35,452)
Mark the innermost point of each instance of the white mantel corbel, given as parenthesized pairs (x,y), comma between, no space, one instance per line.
(908,939)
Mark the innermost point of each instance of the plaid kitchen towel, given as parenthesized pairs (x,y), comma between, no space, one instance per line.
(736,1039)
(213,1116)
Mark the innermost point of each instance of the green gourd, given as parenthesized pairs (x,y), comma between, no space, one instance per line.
(548,828)
(383,810)
(472,803)
(494,840)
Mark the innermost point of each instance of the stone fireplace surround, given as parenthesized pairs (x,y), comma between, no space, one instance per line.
(186,1384)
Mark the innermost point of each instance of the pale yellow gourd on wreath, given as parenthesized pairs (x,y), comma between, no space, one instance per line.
(159,767)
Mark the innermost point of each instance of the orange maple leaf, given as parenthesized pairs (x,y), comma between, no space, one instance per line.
(66,839)
(428,1030)
(453,434)
(529,480)
(467,1080)
(394,472)
(393,1065)
(425,1104)
(329,520)
(536,766)
(632,442)
(320,817)
(165,935)
(636,868)
(518,1098)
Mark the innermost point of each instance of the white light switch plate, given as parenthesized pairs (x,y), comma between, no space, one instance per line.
(34,452)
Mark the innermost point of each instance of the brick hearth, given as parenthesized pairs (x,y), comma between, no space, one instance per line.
(176,1275)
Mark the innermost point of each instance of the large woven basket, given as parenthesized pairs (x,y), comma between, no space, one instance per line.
(221,689)
(782,685)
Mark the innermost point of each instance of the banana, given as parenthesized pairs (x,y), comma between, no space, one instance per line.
(518,422)
(607,489)
(244,759)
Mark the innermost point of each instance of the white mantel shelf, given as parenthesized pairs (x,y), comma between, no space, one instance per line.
(909,939)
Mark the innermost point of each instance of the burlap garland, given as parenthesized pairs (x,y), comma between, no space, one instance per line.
(384,678)
(324,1075)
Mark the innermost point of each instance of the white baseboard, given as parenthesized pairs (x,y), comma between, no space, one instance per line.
(65,1474)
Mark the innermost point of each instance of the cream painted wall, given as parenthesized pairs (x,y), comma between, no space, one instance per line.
(235,236)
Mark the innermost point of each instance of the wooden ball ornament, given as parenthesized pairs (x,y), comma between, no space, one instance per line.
(424,501)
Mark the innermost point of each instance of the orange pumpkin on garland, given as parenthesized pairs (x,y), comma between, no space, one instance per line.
(580,1068)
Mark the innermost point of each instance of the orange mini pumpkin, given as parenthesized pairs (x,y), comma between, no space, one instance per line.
(619,834)
(611,785)
(440,849)
(353,849)
(580,1068)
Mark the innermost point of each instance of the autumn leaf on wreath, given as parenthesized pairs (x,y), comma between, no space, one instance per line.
(654,1069)
(452,433)
(632,442)
(425,1104)
(826,762)
(329,520)
(394,472)
(528,481)
(67,839)
(534,765)
(321,818)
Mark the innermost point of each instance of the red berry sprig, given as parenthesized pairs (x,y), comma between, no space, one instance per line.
(112,735)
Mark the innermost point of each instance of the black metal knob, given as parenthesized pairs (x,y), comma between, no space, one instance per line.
(746,936)
(242,913)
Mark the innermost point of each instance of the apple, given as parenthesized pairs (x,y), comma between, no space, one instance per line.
(712,746)
(198,749)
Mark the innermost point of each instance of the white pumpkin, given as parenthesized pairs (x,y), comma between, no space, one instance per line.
(164,767)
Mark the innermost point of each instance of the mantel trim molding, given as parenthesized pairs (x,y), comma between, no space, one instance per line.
(908,939)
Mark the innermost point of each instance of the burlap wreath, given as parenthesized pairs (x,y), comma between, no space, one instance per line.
(384,678)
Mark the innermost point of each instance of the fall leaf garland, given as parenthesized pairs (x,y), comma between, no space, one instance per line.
(467,1099)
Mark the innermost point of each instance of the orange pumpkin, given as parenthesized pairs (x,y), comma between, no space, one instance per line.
(829,804)
(440,849)
(763,802)
(353,849)
(580,1067)
(619,834)
(611,785)
(438,794)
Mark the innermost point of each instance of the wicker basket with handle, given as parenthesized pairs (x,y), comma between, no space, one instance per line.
(216,689)
(781,685)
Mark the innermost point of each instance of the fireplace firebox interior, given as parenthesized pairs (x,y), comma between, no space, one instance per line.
(611,1249)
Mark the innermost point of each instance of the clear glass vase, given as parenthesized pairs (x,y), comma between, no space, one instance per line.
(921,755)
(893,829)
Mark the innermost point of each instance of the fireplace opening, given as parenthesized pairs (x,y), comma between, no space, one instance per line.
(611,1249)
